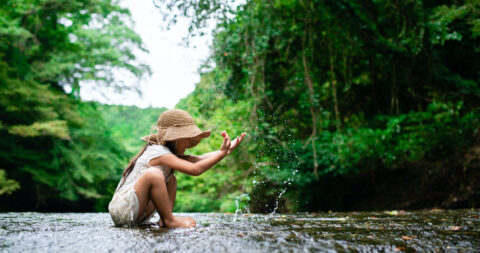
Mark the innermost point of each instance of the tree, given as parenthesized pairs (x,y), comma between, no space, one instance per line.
(54,145)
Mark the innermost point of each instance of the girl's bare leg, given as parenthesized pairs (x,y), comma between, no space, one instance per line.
(172,193)
(172,189)
(151,186)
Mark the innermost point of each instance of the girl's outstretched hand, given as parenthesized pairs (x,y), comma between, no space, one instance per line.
(226,143)
(236,142)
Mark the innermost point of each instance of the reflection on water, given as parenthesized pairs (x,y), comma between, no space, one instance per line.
(434,230)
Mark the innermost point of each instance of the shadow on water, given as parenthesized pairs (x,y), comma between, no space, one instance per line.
(433,230)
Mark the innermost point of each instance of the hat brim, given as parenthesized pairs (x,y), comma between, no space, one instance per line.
(179,132)
(185,132)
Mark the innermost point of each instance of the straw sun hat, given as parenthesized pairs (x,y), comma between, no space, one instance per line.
(176,124)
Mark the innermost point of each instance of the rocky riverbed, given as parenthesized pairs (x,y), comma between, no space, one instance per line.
(430,230)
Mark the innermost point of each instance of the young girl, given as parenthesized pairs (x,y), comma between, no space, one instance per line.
(148,183)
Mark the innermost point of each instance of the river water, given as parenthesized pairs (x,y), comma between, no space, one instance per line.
(391,231)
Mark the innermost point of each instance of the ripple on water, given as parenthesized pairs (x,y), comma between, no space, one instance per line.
(437,230)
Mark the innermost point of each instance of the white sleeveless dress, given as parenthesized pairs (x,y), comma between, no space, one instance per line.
(123,207)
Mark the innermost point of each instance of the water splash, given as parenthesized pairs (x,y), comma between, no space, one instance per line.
(277,162)
(243,197)
(236,210)
(276,204)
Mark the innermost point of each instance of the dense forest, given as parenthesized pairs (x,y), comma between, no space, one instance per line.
(349,105)
(56,151)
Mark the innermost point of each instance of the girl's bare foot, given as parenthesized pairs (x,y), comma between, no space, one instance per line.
(180,222)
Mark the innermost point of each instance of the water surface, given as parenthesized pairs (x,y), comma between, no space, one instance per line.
(433,230)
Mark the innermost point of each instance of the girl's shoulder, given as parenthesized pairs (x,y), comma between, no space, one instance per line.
(157,150)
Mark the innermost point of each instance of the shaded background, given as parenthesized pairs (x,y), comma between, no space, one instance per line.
(349,105)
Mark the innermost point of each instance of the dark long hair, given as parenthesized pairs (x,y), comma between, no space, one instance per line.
(131,164)
(171,145)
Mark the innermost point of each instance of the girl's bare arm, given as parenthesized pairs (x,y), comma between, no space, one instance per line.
(235,143)
(197,158)
(196,168)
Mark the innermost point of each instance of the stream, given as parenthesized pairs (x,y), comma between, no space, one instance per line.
(388,231)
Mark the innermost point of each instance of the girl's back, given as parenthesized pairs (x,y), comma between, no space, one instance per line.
(124,206)
(142,164)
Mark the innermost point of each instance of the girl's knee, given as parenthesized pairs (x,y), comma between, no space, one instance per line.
(155,174)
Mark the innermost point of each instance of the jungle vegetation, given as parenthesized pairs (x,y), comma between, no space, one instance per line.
(349,105)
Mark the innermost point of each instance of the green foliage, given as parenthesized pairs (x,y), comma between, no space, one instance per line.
(443,19)
(129,123)
(7,186)
(57,128)
(56,147)
(92,162)
(329,88)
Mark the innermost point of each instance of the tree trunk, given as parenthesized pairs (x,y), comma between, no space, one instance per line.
(311,91)
(333,80)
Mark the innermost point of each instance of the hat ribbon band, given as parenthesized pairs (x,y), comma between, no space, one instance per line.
(178,125)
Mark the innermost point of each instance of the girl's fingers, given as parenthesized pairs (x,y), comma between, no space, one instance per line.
(231,144)
(240,139)
(225,140)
